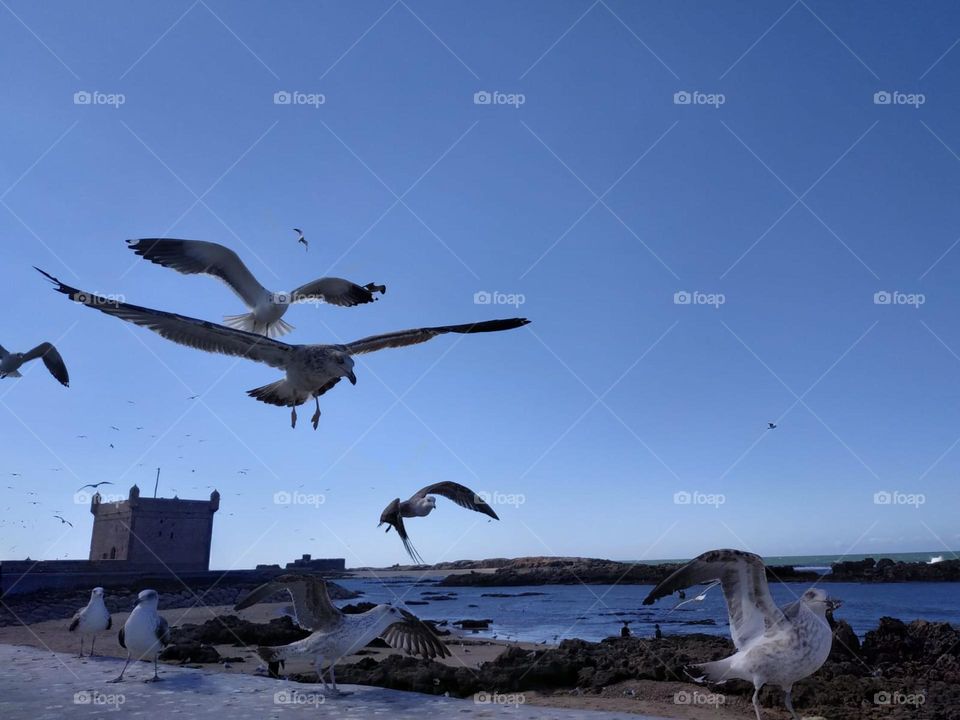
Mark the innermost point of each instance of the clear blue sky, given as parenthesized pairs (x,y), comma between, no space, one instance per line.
(798,198)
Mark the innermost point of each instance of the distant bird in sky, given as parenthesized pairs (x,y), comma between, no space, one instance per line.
(10,363)
(114,427)
(192,257)
(95,485)
(422,503)
(311,370)
(193,397)
(62,521)
(336,634)
(779,646)
(301,239)
(771,426)
(144,634)
(82,437)
(92,619)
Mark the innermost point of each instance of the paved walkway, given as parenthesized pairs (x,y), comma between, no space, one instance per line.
(40,685)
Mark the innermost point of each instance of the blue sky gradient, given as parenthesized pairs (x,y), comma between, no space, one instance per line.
(598,199)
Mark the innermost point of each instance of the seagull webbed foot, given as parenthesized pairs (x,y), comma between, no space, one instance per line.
(293,417)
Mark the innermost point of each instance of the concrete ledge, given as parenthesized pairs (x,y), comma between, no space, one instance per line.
(40,685)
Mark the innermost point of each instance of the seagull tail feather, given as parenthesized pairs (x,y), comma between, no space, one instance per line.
(712,672)
(248,323)
(277,393)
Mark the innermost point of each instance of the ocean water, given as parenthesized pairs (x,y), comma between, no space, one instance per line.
(592,612)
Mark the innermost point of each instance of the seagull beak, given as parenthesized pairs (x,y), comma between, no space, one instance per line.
(351,377)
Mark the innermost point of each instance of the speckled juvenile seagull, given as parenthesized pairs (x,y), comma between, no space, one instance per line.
(779,646)
(10,363)
(311,369)
(192,257)
(421,503)
(336,634)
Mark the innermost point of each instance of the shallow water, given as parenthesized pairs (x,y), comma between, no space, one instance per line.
(593,612)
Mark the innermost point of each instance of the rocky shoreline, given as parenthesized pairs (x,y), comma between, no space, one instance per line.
(898,671)
(592,571)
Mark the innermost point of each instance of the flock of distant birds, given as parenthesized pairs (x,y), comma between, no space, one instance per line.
(774,645)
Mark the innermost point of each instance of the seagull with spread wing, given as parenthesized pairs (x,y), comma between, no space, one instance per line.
(301,239)
(775,645)
(311,370)
(10,363)
(193,257)
(335,634)
(422,502)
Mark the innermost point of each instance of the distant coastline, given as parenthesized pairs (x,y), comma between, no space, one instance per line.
(545,570)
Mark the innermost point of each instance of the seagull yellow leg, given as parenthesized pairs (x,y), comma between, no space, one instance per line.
(316,416)
(293,416)
(756,703)
(119,678)
(788,701)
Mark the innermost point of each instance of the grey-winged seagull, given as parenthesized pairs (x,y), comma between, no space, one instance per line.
(779,646)
(311,370)
(336,634)
(144,634)
(10,363)
(267,308)
(301,239)
(422,502)
(91,619)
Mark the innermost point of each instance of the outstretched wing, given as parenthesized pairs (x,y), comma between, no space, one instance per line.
(333,290)
(402,338)
(743,579)
(53,361)
(184,330)
(413,636)
(461,495)
(193,257)
(311,602)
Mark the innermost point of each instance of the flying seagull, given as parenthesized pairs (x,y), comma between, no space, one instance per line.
(771,426)
(335,634)
(192,257)
(92,619)
(95,485)
(311,370)
(301,239)
(10,363)
(774,645)
(62,521)
(144,634)
(421,503)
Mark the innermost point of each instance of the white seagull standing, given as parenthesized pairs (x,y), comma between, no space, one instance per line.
(311,370)
(10,363)
(422,503)
(335,634)
(780,646)
(92,619)
(144,634)
(192,257)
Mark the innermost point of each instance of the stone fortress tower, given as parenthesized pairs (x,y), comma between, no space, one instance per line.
(163,532)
